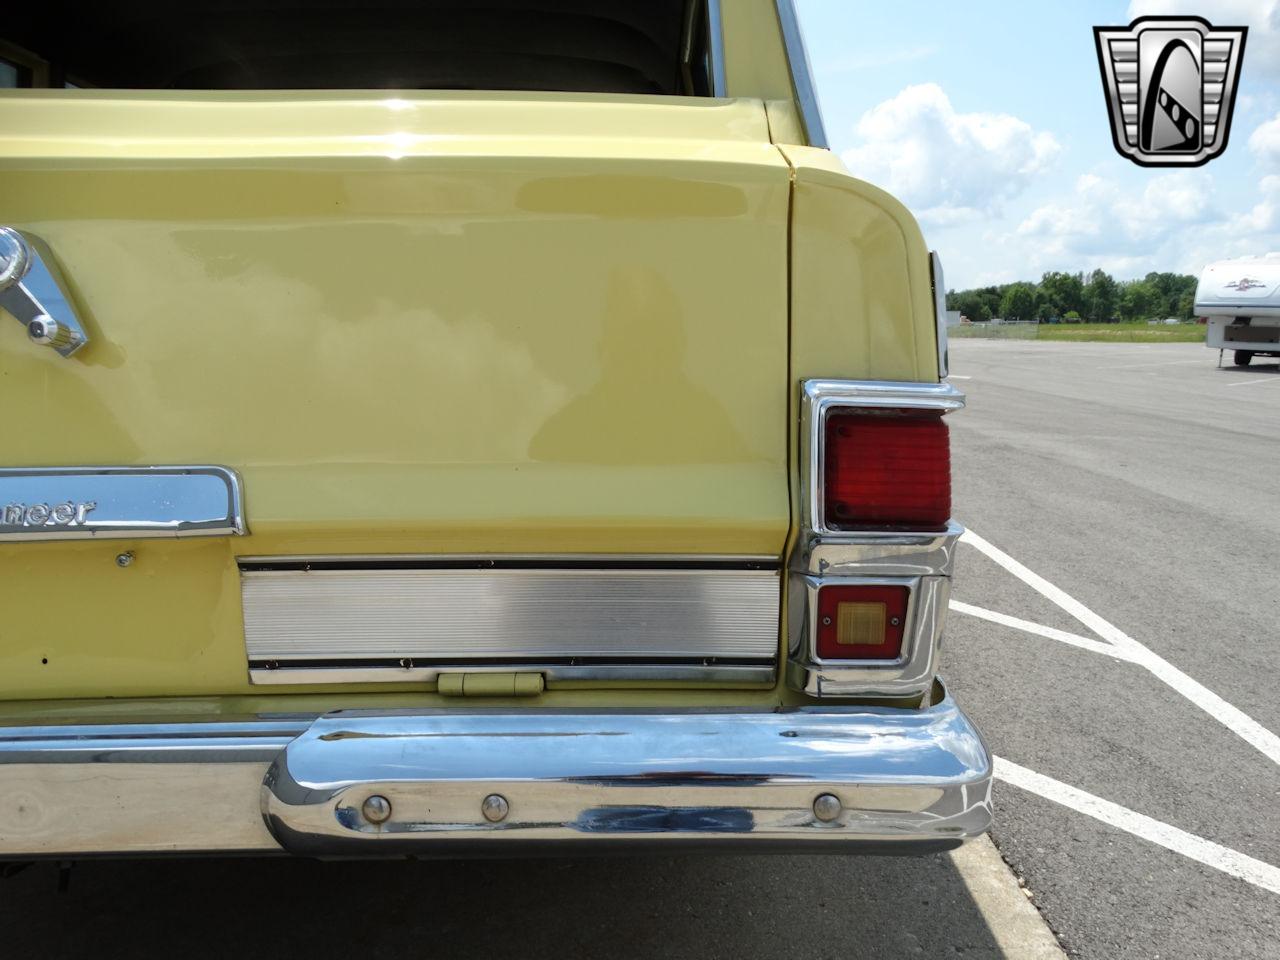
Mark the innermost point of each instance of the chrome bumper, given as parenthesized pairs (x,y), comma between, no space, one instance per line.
(903,781)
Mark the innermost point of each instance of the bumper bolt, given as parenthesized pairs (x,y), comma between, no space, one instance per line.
(826,807)
(124,559)
(495,807)
(376,809)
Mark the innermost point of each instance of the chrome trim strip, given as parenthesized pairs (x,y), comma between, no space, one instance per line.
(886,393)
(500,615)
(113,503)
(498,561)
(801,74)
(939,313)
(878,554)
(286,673)
(724,779)
(245,740)
(715,32)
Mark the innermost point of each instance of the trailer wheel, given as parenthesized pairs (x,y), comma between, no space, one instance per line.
(1244,358)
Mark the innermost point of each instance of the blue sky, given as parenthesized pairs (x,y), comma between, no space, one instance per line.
(987,119)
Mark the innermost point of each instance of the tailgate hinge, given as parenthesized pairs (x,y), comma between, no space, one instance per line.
(490,684)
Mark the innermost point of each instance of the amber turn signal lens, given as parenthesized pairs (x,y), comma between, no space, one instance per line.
(861,622)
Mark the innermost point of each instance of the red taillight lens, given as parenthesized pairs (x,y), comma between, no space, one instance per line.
(889,470)
(861,622)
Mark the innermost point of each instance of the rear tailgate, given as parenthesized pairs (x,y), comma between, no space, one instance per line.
(419,324)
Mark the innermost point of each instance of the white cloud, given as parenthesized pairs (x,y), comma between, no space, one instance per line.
(1262,17)
(1101,217)
(1265,141)
(947,166)
(1174,223)
(1264,217)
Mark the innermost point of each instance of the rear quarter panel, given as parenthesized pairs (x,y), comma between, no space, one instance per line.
(861,291)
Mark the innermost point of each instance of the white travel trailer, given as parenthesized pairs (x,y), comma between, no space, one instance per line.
(1241,298)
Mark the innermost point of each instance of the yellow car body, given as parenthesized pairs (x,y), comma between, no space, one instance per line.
(421,323)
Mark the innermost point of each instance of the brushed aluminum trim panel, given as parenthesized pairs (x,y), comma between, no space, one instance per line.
(466,615)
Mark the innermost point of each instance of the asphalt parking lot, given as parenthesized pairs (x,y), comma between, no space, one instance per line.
(1126,499)
(1142,483)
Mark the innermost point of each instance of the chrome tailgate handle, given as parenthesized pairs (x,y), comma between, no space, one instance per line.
(31,289)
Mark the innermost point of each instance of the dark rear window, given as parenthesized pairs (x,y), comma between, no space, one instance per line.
(607,46)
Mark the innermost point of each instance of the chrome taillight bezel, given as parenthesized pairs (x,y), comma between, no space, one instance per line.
(910,675)
(826,555)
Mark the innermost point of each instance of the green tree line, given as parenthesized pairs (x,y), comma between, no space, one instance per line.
(1079,297)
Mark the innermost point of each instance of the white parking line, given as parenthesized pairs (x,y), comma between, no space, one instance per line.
(956,376)
(1039,629)
(1228,715)
(1204,851)
(1244,383)
(1047,590)
(1123,647)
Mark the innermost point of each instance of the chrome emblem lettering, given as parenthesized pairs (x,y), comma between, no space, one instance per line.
(118,503)
(66,514)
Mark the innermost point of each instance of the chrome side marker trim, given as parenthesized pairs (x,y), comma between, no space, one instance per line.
(119,503)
